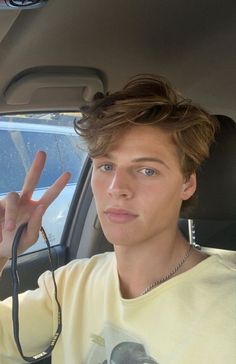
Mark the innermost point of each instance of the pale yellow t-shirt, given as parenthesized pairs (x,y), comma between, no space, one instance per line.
(190,319)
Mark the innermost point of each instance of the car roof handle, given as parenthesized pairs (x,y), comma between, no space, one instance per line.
(23,88)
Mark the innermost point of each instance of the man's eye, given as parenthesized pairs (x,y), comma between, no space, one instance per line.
(106,167)
(148,172)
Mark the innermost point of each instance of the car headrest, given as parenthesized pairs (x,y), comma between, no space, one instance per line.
(216,180)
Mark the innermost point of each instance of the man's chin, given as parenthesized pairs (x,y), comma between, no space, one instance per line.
(118,234)
(119,239)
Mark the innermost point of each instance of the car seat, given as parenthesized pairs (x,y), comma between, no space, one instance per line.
(212,221)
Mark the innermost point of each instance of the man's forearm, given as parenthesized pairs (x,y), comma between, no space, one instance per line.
(3,262)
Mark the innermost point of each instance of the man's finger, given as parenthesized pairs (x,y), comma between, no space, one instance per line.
(1,226)
(33,176)
(31,233)
(11,210)
(2,209)
(51,194)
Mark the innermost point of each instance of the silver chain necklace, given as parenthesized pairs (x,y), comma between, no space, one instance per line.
(169,275)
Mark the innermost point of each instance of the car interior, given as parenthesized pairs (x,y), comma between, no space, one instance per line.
(55,55)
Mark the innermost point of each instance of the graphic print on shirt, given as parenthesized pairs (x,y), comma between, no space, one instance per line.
(115,346)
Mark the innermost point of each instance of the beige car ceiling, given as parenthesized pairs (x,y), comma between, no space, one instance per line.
(57,57)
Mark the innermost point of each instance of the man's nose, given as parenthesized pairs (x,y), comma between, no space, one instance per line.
(120,185)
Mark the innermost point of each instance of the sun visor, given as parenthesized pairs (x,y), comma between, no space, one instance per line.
(54,86)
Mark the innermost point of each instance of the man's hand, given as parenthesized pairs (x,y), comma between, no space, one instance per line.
(16,209)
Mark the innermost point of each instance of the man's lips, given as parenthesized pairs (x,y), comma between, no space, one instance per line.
(119,215)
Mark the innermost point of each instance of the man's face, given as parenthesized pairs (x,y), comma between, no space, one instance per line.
(139,187)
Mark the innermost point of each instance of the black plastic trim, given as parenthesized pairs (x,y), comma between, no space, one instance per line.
(38,262)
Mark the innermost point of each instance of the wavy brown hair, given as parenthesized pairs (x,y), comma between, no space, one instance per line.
(149,100)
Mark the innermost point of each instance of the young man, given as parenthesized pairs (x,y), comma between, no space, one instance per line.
(156,299)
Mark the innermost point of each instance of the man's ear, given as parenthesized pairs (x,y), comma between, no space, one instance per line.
(189,187)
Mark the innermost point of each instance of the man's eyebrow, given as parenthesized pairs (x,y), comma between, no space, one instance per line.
(138,160)
(150,159)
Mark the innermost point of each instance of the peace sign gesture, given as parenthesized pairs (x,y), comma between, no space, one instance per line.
(16,209)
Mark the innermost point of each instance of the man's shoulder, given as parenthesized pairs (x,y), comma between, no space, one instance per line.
(96,262)
(214,275)
(218,273)
(226,263)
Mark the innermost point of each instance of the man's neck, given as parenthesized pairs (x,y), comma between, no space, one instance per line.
(139,266)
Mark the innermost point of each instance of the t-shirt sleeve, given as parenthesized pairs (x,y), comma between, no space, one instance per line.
(37,322)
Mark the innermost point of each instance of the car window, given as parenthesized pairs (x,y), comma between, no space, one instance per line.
(20,138)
